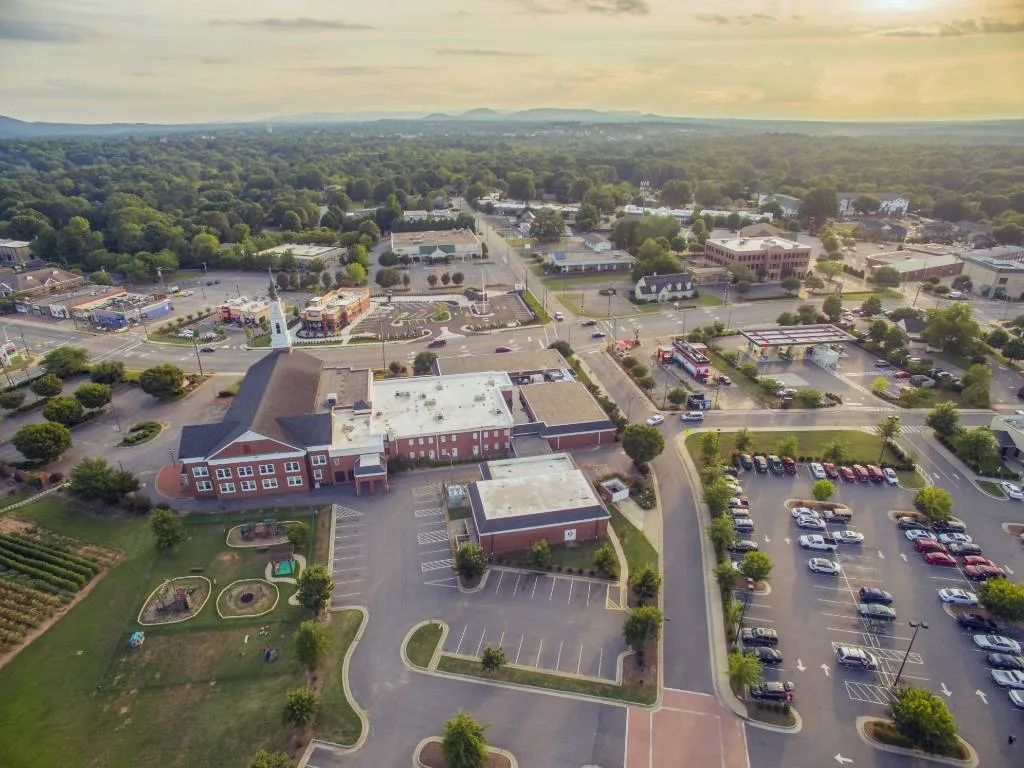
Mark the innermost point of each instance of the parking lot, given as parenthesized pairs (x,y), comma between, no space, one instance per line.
(349,565)
(557,623)
(814,614)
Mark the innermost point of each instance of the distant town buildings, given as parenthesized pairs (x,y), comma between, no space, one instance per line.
(588,260)
(331,255)
(788,205)
(996,272)
(14,252)
(437,245)
(329,313)
(38,281)
(892,203)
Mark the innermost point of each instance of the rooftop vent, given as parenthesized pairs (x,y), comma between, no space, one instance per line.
(439,417)
(439,386)
(430,402)
(479,398)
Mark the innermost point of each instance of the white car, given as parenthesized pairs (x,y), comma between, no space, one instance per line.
(810,523)
(958,596)
(916,533)
(996,644)
(817,471)
(1008,678)
(655,420)
(818,542)
(1013,491)
(1017,699)
(890,476)
(823,565)
(848,537)
(955,538)
(798,512)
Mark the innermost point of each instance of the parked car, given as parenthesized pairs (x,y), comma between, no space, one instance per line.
(875,474)
(836,515)
(760,463)
(978,622)
(861,473)
(890,476)
(958,596)
(848,537)
(743,524)
(503,349)
(737,512)
(788,465)
(919,533)
(655,420)
(856,657)
(797,512)
(736,501)
(977,560)
(902,375)
(775,465)
(924,546)
(824,566)
(963,550)
(909,523)
(830,470)
(996,643)
(746,461)
(767,656)
(818,542)
(940,558)
(1017,699)
(724,381)
(847,474)
(759,636)
(743,546)
(1013,491)
(771,691)
(559,316)
(1008,678)
(983,572)
(876,611)
(1005,661)
(807,522)
(882,363)
(875,595)
(955,538)
(950,525)
(437,343)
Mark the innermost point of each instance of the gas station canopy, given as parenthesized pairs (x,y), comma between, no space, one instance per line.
(788,335)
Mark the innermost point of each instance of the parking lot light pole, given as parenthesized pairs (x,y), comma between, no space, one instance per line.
(917,625)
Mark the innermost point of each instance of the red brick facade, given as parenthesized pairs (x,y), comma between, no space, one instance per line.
(478,443)
(494,543)
(566,442)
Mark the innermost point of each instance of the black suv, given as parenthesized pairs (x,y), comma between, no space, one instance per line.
(759,636)
(962,550)
(950,526)
(772,691)
(743,545)
(775,465)
(875,595)
(765,655)
(974,621)
(760,464)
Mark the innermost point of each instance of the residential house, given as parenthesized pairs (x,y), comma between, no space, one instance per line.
(892,203)
(672,287)
(38,281)
(788,205)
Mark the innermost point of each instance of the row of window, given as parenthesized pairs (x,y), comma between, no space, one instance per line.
(454,452)
(445,438)
(224,473)
(248,485)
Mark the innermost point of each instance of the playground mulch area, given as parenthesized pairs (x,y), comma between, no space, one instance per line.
(178,600)
(251,597)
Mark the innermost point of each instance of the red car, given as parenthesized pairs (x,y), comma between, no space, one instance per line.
(830,470)
(875,473)
(503,349)
(902,375)
(976,560)
(924,546)
(847,474)
(789,465)
(940,558)
(982,572)
(861,473)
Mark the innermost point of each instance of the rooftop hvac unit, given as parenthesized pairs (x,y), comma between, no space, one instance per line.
(479,398)
(439,386)
(439,417)
(498,411)
(399,394)
(430,402)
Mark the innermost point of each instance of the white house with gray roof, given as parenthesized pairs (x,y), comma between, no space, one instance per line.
(672,287)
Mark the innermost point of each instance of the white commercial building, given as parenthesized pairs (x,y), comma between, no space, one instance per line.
(437,245)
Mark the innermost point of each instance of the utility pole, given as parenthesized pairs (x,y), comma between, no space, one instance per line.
(195,343)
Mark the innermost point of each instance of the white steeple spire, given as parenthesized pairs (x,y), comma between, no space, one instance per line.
(280,336)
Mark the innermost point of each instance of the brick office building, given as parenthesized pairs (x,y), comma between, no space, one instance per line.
(771,258)
(520,501)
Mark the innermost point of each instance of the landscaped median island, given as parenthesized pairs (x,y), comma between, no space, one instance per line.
(421,646)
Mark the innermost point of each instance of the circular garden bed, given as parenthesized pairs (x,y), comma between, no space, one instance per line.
(247,598)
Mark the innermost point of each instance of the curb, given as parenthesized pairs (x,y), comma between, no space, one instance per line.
(435,740)
(473,590)
(436,657)
(971,762)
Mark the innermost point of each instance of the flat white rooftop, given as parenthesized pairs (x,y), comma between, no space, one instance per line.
(305,251)
(354,433)
(530,466)
(590,257)
(433,237)
(427,405)
(754,244)
(537,494)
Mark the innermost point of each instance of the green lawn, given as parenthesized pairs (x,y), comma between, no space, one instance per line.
(637,548)
(558,283)
(337,721)
(960,361)
(639,694)
(708,300)
(574,558)
(993,488)
(422,644)
(54,713)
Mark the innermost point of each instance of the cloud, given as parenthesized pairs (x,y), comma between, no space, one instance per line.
(214,60)
(355,71)
(301,23)
(740,21)
(602,7)
(484,53)
(38,32)
(962,28)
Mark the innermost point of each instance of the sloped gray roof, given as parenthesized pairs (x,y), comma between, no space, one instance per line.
(657,283)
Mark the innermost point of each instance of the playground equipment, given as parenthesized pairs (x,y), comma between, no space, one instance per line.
(266,529)
(136,639)
(178,600)
(284,567)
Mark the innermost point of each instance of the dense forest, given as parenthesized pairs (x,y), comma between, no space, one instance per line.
(132,204)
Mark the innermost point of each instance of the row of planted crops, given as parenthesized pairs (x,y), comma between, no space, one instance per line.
(36,577)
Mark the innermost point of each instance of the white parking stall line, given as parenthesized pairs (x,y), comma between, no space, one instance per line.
(428,512)
(497,588)
(435,551)
(435,565)
(520,649)
(431,537)
(350,581)
(886,654)
(342,512)
(347,525)
(748,617)
(837,602)
(348,546)
(461,638)
(349,557)
(870,694)
(480,645)
(346,570)
(862,633)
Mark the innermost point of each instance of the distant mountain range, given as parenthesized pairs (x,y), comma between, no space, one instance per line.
(999,130)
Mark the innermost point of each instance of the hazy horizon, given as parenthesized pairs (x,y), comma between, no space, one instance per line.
(181,61)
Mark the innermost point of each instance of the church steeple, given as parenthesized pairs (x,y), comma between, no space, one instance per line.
(273,286)
(280,336)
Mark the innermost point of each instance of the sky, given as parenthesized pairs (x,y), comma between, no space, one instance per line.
(180,61)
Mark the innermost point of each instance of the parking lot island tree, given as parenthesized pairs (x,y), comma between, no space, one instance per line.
(470,561)
(944,418)
(12,400)
(642,443)
(976,446)
(642,625)
(315,588)
(47,385)
(265,759)
(42,442)
(934,503)
(756,566)
(539,555)
(92,395)
(716,496)
(823,490)
(492,659)
(922,718)
(645,583)
(164,382)
(166,527)
(464,745)
(107,372)
(722,535)
(64,410)
(743,440)
(888,430)
(605,560)
(1002,598)
(65,362)
(744,672)
(788,446)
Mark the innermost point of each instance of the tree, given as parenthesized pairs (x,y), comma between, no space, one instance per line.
(432,281)
(823,490)
(888,429)
(642,443)
(312,641)
(934,503)
(944,418)
(756,566)
(872,306)
(458,278)
(265,759)
(744,671)
(709,447)
(163,382)
(645,583)
(12,399)
(807,313)
(880,385)
(894,338)
(563,348)
(997,338)
(1014,349)
(315,588)
(464,745)
(606,561)
(356,273)
(547,226)
(722,534)
(47,386)
(788,318)
(92,395)
(790,285)
(865,204)
(301,706)
(877,329)
(1002,598)
(743,440)
(492,659)
(951,329)
(922,718)
(64,362)
(977,384)
(830,269)
(166,527)
(833,308)
(63,410)
(298,535)
(977,446)
(726,576)
(885,277)
(42,442)
(406,279)
(642,625)
(423,363)
(445,279)
(788,446)
(539,555)
(819,205)
(387,277)
(470,561)
(94,478)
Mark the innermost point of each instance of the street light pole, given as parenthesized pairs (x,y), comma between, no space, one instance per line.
(917,625)
(199,360)
(117,419)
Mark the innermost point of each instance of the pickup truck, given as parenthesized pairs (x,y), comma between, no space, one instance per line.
(819,543)
(836,515)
